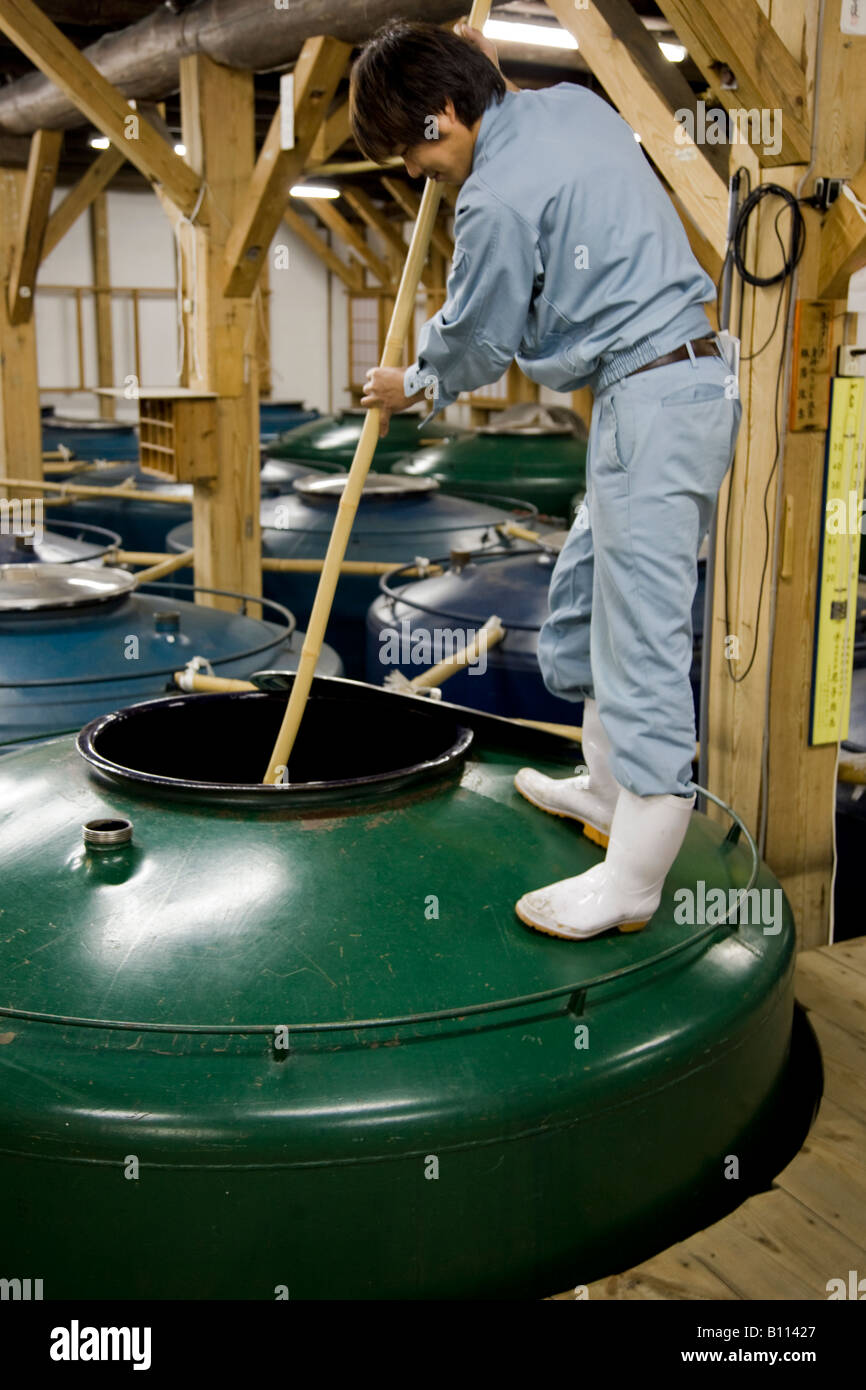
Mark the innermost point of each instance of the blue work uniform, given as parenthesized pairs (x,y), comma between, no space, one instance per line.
(569,256)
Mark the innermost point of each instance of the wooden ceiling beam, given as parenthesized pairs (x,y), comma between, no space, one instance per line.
(350,275)
(738,35)
(334,131)
(667,78)
(317,72)
(704,193)
(353,238)
(375,217)
(81,195)
(53,53)
(45,148)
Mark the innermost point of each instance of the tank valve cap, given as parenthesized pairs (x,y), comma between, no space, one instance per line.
(107,834)
(167,621)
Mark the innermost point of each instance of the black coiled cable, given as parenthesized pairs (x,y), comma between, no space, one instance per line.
(797,242)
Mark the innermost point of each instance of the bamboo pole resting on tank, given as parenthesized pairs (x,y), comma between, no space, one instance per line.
(195,681)
(486,637)
(68,490)
(403,309)
(313,566)
(166,566)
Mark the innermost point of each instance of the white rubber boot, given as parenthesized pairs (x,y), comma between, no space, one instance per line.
(625,890)
(590,797)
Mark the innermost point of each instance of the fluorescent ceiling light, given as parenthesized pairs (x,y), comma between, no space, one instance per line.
(539,35)
(674,52)
(314,190)
(99,142)
(180,149)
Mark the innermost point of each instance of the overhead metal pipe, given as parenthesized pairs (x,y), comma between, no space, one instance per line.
(143,60)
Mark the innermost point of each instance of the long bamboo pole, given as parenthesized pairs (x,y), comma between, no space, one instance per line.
(314,566)
(83,490)
(404,306)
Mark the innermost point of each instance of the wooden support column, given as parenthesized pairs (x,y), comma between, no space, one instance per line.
(262,303)
(520,388)
(20,426)
(217,113)
(45,148)
(760,760)
(801,781)
(102,286)
(843,247)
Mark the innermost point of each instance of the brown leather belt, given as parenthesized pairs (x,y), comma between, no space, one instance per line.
(702,347)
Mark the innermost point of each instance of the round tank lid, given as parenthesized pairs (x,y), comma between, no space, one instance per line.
(382,485)
(31,588)
(88,423)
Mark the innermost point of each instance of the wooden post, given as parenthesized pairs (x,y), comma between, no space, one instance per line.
(20,428)
(262,306)
(802,780)
(520,388)
(220,333)
(102,297)
(759,758)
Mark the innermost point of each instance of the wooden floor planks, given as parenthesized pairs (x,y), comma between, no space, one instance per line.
(811,1227)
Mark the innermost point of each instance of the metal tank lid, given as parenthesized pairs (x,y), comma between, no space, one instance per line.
(92,425)
(529,417)
(39,587)
(515,586)
(388,486)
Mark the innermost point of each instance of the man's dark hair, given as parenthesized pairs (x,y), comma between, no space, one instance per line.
(405,75)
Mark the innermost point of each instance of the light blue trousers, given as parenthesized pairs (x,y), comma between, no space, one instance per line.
(621,594)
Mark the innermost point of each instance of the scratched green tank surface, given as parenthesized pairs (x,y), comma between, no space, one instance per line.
(332,439)
(533,452)
(294,1037)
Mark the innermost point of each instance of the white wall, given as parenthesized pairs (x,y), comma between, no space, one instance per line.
(142,254)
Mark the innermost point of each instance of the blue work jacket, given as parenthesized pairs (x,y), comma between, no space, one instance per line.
(568,255)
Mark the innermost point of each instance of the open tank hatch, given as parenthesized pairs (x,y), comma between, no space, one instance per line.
(355,742)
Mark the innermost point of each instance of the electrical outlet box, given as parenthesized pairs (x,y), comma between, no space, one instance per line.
(851,361)
(826,193)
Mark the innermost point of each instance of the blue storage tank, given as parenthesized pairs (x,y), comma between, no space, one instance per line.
(275,417)
(65,543)
(79,641)
(145,525)
(398,520)
(141,525)
(90,439)
(412,625)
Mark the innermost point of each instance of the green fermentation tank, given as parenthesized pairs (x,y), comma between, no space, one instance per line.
(332,440)
(263,1041)
(534,452)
